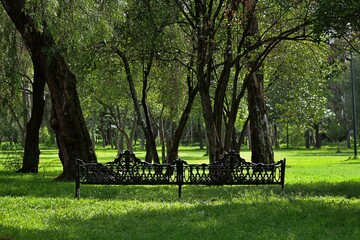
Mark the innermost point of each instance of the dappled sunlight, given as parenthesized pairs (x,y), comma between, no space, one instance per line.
(251,215)
(322,195)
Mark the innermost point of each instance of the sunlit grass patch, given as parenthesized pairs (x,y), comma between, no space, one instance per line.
(321,201)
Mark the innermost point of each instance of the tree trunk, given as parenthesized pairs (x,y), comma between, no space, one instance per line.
(205,41)
(151,152)
(261,150)
(67,120)
(162,140)
(307,138)
(232,116)
(221,88)
(348,142)
(173,152)
(244,131)
(260,135)
(31,150)
(317,135)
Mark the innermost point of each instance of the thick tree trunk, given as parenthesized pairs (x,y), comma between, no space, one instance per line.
(31,150)
(67,119)
(261,150)
(261,146)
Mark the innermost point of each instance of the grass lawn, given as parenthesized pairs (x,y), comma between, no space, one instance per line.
(322,201)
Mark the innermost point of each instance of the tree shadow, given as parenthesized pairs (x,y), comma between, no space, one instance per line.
(44,186)
(347,189)
(258,218)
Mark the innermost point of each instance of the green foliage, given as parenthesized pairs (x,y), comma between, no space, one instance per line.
(297,92)
(337,18)
(156,33)
(356,71)
(14,81)
(12,156)
(45,137)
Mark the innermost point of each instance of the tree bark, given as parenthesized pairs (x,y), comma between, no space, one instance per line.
(151,143)
(261,148)
(67,120)
(31,149)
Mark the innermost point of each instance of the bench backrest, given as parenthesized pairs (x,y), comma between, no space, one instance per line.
(231,169)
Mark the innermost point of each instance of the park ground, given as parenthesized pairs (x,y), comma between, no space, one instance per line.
(321,201)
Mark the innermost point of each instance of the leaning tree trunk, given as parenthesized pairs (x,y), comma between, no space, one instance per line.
(173,152)
(31,150)
(67,119)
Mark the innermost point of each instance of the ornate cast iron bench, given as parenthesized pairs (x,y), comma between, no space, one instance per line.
(127,169)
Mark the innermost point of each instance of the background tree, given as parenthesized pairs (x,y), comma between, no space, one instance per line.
(232,42)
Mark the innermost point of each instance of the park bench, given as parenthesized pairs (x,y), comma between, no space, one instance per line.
(127,169)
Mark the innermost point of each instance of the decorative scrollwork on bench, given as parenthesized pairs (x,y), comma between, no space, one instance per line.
(128,169)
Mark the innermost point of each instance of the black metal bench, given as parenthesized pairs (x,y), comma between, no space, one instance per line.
(127,169)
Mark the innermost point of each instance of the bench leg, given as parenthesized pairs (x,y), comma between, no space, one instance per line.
(179,193)
(77,190)
(283,190)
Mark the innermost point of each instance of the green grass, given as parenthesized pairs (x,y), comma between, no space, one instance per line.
(322,201)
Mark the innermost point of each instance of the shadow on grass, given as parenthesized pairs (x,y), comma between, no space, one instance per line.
(44,186)
(257,217)
(35,185)
(346,190)
(351,161)
(338,189)
(328,154)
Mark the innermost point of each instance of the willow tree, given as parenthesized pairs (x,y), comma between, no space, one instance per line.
(21,95)
(67,120)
